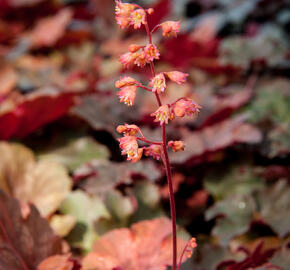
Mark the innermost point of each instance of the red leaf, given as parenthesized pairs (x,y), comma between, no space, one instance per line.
(258,258)
(37,110)
(182,50)
(225,106)
(24,243)
(49,30)
(217,137)
(161,10)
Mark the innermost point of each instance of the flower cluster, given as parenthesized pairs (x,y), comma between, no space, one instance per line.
(130,147)
(180,108)
(128,14)
(139,55)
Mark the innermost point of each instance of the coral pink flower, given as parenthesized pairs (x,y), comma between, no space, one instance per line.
(176,145)
(141,59)
(125,81)
(128,59)
(162,114)
(153,151)
(177,76)
(151,52)
(128,130)
(139,155)
(129,147)
(123,12)
(127,94)
(158,83)
(185,106)
(138,17)
(170,28)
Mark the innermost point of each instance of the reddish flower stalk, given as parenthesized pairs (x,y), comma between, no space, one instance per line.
(134,15)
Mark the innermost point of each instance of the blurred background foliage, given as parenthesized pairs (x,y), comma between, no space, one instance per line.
(59,111)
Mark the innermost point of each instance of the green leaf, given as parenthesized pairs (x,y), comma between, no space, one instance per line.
(78,152)
(234,180)
(274,207)
(86,210)
(236,211)
(272,102)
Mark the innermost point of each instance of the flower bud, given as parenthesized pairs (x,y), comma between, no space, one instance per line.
(150,11)
(134,48)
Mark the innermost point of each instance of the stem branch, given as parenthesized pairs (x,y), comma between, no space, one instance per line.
(148,141)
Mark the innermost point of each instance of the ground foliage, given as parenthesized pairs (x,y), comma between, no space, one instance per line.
(60,165)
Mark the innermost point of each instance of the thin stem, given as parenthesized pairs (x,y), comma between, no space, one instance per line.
(182,254)
(155,28)
(148,141)
(171,195)
(166,163)
(144,87)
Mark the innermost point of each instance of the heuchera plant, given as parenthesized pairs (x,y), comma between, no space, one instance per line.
(133,15)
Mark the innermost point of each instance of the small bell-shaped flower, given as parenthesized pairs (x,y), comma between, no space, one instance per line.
(128,130)
(151,52)
(153,151)
(162,114)
(128,59)
(176,145)
(129,147)
(185,106)
(138,17)
(170,28)
(127,94)
(125,81)
(123,12)
(158,83)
